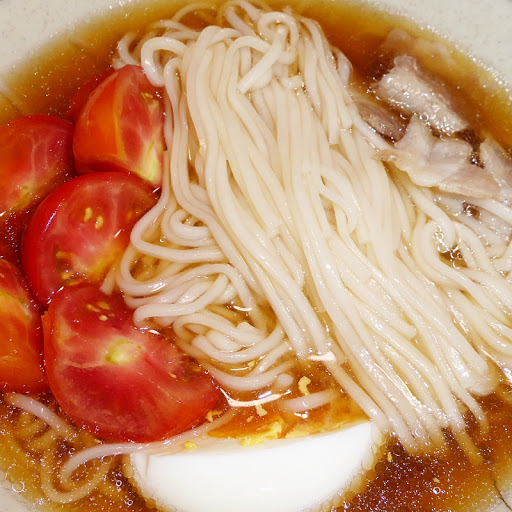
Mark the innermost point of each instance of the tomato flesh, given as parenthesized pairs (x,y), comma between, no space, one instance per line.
(81,96)
(35,157)
(79,232)
(121,127)
(121,382)
(21,340)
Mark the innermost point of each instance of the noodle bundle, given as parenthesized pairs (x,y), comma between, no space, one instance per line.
(281,235)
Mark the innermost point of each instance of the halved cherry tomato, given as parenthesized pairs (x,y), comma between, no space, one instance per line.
(21,337)
(120,382)
(81,230)
(36,157)
(121,127)
(81,96)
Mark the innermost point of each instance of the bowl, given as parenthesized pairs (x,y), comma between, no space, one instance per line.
(479,28)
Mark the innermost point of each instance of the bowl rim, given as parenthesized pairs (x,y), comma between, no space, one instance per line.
(479,28)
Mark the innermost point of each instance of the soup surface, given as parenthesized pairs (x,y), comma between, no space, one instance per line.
(440,482)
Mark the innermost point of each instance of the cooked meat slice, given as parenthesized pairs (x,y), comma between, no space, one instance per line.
(442,163)
(408,90)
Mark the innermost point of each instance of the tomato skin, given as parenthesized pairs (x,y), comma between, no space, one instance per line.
(81,230)
(121,382)
(35,157)
(21,339)
(81,96)
(121,127)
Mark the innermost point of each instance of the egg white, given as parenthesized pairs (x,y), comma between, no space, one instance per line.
(278,475)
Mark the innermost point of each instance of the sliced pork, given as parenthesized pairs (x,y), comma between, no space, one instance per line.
(443,163)
(498,164)
(408,90)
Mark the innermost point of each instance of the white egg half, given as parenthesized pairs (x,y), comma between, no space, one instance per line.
(282,475)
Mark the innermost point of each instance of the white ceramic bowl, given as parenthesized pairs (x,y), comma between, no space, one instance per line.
(478,27)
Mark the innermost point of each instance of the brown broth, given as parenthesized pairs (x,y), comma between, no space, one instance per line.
(399,482)
(21,463)
(446,481)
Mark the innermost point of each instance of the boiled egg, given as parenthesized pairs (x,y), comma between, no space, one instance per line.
(277,475)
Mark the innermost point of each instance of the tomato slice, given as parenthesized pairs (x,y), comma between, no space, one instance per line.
(121,127)
(121,382)
(81,230)
(81,96)
(36,157)
(21,337)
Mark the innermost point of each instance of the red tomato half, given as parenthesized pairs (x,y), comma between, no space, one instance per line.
(81,230)
(21,339)
(121,127)
(35,157)
(118,381)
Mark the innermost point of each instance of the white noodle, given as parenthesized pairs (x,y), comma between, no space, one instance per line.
(41,411)
(282,235)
